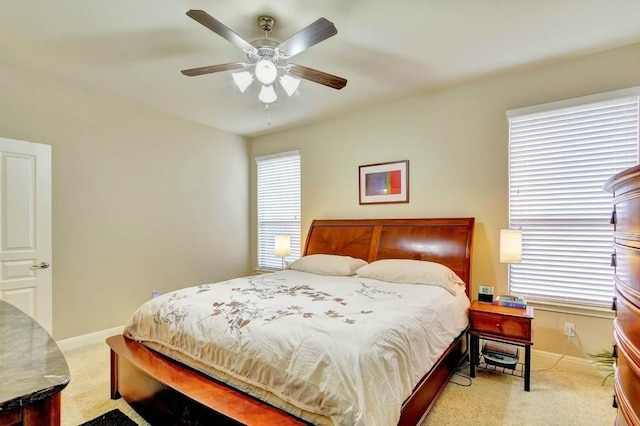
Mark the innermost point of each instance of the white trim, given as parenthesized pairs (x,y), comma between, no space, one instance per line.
(88,339)
(541,360)
(566,103)
(572,309)
(277,155)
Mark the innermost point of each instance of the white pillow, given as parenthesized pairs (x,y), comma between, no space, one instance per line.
(407,271)
(328,264)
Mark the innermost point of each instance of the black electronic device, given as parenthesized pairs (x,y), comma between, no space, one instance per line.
(501,354)
(485,294)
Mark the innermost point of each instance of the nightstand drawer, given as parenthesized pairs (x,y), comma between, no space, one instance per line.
(501,325)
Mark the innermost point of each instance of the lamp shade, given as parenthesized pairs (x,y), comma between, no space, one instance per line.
(267,95)
(242,79)
(282,246)
(510,246)
(266,71)
(289,84)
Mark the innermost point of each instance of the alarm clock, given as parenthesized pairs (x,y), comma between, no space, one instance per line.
(485,294)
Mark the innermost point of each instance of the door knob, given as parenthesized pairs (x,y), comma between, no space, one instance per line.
(42,265)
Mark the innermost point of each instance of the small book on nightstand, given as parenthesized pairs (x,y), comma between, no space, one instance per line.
(510,301)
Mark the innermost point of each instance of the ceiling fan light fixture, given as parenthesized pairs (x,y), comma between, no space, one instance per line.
(267,95)
(243,79)
(266,71)
(289,84)
(267,59)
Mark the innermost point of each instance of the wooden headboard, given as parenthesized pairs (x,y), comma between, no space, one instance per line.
(446,241)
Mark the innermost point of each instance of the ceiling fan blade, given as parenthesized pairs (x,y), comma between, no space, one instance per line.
(316,76)
(313,34)
(219,28)
(213,68)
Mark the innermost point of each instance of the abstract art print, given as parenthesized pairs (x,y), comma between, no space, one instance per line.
(384,183)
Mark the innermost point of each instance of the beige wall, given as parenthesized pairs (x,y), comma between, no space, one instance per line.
(141,201)
(144,201)
(456,140)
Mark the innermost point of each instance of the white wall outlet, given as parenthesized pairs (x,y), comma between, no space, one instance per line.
(569,329)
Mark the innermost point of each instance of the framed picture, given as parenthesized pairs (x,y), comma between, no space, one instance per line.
(384,183)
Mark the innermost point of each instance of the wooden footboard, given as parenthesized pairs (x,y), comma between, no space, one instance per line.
(164,391)
(418,405)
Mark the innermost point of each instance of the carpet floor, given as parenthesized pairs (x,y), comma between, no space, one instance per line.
(556,398)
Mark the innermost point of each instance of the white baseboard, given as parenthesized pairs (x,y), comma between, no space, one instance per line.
(541,360)
(88,339)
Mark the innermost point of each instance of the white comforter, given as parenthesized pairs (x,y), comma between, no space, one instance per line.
(347,348)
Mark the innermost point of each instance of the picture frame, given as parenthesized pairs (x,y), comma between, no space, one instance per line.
(384,183)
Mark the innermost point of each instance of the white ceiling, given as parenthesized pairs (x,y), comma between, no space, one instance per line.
(385,49)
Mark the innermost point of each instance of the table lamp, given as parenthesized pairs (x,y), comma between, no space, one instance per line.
(510,246)
(510,252)
(282,247)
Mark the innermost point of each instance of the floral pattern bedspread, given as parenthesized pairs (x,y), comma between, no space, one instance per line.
(346,348)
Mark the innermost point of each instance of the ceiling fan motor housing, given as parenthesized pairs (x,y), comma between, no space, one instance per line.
(266,49)
(267,23)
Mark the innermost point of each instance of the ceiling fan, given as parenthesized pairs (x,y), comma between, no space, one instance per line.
(267,59)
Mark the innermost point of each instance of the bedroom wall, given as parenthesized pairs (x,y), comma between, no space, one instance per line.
(142,201)
(456,140)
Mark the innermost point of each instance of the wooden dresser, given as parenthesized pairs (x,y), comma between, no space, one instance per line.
(625,187)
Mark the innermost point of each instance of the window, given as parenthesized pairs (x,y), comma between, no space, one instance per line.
(278,205)
(560,156)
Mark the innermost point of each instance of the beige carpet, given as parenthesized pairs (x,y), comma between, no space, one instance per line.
(556,397)
(87,394)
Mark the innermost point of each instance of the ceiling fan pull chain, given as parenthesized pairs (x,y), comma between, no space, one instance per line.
(266,109)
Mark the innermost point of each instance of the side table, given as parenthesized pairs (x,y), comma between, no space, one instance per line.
(502,324)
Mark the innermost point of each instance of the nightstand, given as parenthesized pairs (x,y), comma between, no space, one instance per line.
(502,324)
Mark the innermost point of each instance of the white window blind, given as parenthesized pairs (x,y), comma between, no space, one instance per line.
(559,160)
(278,205)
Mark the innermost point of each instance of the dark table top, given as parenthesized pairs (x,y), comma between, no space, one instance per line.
(32,367)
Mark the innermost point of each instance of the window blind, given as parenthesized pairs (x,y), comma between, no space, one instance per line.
(559,160)
(278,205)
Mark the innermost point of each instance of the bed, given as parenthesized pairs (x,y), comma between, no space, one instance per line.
(168,387)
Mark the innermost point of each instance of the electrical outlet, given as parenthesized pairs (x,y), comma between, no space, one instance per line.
(569,329)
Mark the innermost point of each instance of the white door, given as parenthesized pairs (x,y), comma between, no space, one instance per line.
(25,228)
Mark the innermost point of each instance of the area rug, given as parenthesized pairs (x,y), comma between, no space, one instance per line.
(111,418)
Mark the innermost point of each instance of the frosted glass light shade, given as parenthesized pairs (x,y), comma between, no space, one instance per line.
(510,246)
(267,95)
(243,79)
(282,246)
(289,84)
(266,71)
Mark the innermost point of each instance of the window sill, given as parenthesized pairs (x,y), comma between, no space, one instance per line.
(567,308)
(260,271)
